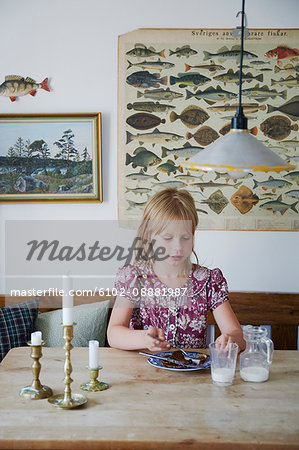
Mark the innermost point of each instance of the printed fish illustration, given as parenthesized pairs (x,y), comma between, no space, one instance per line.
(271,183)
(156,137)
(144,121)
(290,143)
(160,94)
(150,107)
(262,93)
(244,199)
(229,117)
(189,79)
(233,77)
(289,81)
(142,157)
(277,127)
(212,67)
(289,68)
(187,151)
(293,176)
(283,52)
(290,108)
(141,176)
(279,206)
(210,184)
(225,129)
(140,50)
(169,167)
(189,178)
(186,51)
(259,62)
(204,135)
(172,183)
(247,107)
(292,157)
(138,190)
(134,205)
(192,116)
(293,193)
(224,53)
(145,79)
(15,86)
(228,176)
(216,202)
(211,95)
(156,65)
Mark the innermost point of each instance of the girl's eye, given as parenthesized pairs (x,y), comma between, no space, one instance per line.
(186,238)
(166,238)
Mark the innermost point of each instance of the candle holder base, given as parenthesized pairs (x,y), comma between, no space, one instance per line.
(94,384)
(30,392)
(75,401)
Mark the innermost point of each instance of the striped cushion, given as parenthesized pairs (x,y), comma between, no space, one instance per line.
(16,324)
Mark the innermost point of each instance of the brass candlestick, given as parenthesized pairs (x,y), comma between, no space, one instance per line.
(68,400)
(36,391)
(94,384)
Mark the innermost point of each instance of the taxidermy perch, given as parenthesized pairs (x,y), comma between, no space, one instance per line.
(14,86)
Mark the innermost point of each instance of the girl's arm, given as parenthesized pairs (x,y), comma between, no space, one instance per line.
(229,326)
(121,336)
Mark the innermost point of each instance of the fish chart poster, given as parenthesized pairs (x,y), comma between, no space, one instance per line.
(178,91)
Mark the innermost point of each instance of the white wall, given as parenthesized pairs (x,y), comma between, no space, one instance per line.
(74,43)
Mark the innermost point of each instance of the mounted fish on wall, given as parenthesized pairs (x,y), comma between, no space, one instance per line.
(182,86)
(16,86)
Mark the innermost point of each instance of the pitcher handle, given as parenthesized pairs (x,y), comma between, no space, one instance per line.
(270,349)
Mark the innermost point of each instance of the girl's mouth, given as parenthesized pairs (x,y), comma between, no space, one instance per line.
(176,258)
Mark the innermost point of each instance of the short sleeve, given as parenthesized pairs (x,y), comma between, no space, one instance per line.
(127,283)
(217,289)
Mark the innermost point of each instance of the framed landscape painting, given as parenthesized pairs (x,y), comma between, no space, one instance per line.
(50,157)
(178,91)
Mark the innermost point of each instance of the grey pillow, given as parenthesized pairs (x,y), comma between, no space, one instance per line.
(91,323)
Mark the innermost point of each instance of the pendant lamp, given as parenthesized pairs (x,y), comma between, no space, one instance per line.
(238,152)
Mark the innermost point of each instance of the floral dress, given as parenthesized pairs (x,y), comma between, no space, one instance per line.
(181,312)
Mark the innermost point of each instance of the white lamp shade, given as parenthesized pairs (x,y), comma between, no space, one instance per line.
(237,151)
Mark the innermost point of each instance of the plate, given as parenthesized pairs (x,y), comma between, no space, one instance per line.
(160,364)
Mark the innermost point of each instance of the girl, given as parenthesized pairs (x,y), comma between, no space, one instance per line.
(163,296)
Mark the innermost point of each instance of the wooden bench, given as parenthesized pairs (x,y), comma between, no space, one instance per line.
(280,310)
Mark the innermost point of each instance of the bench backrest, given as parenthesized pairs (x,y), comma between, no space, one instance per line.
(280,310)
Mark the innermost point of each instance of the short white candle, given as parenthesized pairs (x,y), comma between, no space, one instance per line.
(67,316)
(93,354)
(67,300)
(36,338)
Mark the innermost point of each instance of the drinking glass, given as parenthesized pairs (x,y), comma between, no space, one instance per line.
(223,363)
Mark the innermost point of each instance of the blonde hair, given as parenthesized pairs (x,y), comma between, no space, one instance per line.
(166,205)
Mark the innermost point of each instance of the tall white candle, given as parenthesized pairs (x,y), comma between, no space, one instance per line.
(93,354)
(67,316)
(68,299)
(36,338)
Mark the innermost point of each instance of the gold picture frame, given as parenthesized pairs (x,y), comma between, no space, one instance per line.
(50,157)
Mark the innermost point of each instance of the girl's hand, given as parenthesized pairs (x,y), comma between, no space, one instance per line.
(152,340)
(223,340)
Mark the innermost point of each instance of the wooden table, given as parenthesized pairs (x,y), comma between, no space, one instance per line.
(148,408)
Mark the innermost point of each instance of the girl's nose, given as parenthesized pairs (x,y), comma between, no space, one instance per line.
(177,244)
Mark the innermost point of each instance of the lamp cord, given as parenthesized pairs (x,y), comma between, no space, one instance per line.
(241,57)
(239,121)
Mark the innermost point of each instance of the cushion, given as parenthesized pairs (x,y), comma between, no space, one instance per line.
(16,325)
(90,319)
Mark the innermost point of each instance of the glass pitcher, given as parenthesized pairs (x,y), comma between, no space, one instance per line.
(257,356)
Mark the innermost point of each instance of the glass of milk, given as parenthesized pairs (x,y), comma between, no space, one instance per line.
(223,363)
(257,357)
